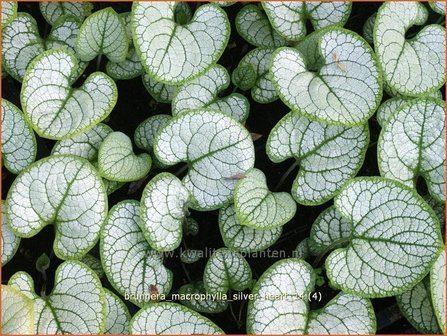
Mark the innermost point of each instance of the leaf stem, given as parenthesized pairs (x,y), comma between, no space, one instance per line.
(98,62)
(181,170)
(286,175)
(335,244)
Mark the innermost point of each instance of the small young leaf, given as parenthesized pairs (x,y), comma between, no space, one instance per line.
(259,208)
(253,25)
(302,250)
(130,263)
(169,50)
(259,59)
(162,93)
(417,308)
(17,312)
(117,315)
(368,28)
(52,11)
(190,227)
(346,314)
(407,68)
(437,286)
(9,12)
(201,306)
(42,263)
(171,318)
(62,190)
(342,86)
(190,256)
(281,299)
(215,147)
(243,238)
(18,140)
(289,18)
(163,206)
(117,162)
(10,242)
(412,144)
(328,155)
(103,33)
(202,92)
(244,76)
(56,110)
(225,270)
(388,256)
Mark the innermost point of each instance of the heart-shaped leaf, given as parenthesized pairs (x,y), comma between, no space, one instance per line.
(62,190)
(243,238)
(341,86)
(412,67)
(253,25)
(216,148)
(417,308)
(56,110)
(129,262)
(162,93)
(225,270)
(52,11)
(18,140)
(117,162)
(289,18)
(437,286)
(194,291)
(17,312)
(345,314)
(329,231)
(9,12)
(10,242)
(328,155)
(169,50)
(257,207)
(412,144)
(262,91)
(395,239)
(280,303)
(163,209)
(103,33)
(117,315)
(171,318)
(203,90)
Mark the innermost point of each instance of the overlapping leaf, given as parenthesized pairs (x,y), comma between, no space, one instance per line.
(437,286)
(216,148)
(52,11)
(199,305)
(10,242)
(162,93)
(169,51)
(17,312)
(9,12)
(117,315)
(328,155)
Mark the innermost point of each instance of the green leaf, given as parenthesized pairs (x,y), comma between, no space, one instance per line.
(190,256)
(117,162)
(225,270)
(395,239)
(17,312)
(164,205)
(346,314)
(182,13)
(103,33)
(168,50)
(62,190)
(243,238)
(94,263)
(342,86)
(131,265)
(328,155)
(259,59)
(413,67)
(416,306)
(18,140)
(302,250)
(194,291)
(412,144)
(52,11)
(280,303)
(328,232)
(162,93)
(9,12)
(171,318)
(216,148)
(257,207)
(244,77)
(203,92)
(117,315)
(437,286)
(53,108)
(10,242)
(42,263)
(289,18)
(190,227)
(253,26)
(368,29)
